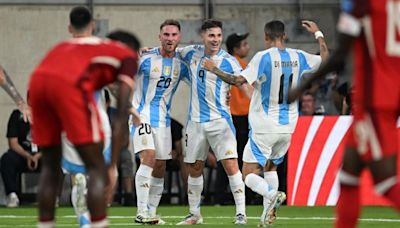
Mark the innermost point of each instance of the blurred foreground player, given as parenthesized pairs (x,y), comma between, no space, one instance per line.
(371,28)
(77,68)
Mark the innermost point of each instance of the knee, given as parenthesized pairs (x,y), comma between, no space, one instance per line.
(148,157)
(196,169)
(231,166)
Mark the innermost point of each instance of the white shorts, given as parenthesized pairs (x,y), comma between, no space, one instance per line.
(263,147)
(158,139)
(72,162)
(219,134)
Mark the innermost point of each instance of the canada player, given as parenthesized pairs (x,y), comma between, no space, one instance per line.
(62,97)
(372,29)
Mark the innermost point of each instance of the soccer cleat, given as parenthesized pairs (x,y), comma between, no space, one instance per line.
(241,219)
(275,202)
(12,200)
(144,218)
(84,221)
(191,219)
(160,221)
(81,206)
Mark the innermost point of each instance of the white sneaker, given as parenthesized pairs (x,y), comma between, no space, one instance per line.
(80,182)
(12,200)
(191,219)
(269,213)
(241,219)
(144,217)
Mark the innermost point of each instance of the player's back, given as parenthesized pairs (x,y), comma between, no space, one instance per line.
(377,54)
(70,60)
(273,73)
(157,80)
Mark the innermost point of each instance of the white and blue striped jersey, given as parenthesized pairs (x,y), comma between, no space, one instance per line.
(272,73)
(156,82)
(208,92)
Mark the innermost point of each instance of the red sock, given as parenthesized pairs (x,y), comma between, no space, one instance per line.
(348,207)
(393,194)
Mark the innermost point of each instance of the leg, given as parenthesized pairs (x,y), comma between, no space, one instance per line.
(126,167)
(236,184)
(48,183)
(348,206)
(143,179)
(156,185)
(92,157)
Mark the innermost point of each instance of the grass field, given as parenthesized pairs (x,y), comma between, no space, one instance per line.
(316,217)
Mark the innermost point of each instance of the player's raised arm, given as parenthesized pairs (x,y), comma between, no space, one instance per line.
(226,77)
(8,86)
(312,27)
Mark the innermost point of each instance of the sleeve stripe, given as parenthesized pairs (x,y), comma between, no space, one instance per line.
(349,25)
(107,60)
(127,79)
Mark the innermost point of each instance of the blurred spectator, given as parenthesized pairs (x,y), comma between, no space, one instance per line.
(22,156)
(307,101)
(324,93)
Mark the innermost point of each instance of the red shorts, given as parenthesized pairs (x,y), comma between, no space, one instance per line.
(60,107)
(375,134)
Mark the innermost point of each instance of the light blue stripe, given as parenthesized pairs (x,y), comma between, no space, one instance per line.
(278,161)
(265,68)
(231,125)
(286,71)
(97,95)
(72,168)
(261,159)
(303,66)
(107,154)
(226,67)
(155,102)
(201,95)
(145,69)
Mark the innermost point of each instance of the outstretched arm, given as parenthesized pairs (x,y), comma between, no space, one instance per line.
(312,27)
(8,86)
(226,77)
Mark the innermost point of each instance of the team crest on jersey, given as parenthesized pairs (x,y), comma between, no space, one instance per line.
(155,70)
(144,141)
(167,70)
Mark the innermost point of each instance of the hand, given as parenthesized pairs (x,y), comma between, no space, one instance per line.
(135,117)
(208,64)
(310,26)
(144,50)
(112,180)
(33,162)
(228,98)
(26,112)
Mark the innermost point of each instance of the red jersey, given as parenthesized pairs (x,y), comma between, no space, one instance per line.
(71,61)
(62,88)
(376,51)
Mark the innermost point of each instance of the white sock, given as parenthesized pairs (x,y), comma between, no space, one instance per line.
(237,188)
(195,187)
(272,179)
(49,224)
(74,198)
(155,193)
(259,185)
(142,184)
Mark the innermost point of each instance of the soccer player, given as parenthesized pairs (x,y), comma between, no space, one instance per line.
(210,122)
(8,86)
(71,161)
(272,118)
(160,72)
(371,29)
(78,67)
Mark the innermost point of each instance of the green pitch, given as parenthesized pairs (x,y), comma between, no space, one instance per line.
(296,217)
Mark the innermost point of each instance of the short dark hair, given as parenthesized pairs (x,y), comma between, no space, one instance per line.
(274,29)
(125,37)
(171,22)
(80,17)
(211,23)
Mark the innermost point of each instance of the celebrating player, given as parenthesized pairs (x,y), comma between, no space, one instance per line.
(78,67)
(160,72)
(272,118)
(210,122)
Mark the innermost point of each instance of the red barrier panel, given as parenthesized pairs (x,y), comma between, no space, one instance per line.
(314,159)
